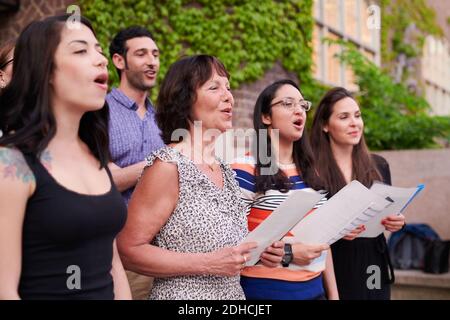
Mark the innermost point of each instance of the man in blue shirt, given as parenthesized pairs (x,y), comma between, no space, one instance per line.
(133,132)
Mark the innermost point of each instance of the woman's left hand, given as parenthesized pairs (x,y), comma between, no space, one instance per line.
(394,222)
(271,257)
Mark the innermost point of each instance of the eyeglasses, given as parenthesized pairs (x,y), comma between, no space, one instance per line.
(6,63)
(290,104)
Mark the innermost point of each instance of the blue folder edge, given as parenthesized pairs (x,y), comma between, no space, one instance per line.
(420,187)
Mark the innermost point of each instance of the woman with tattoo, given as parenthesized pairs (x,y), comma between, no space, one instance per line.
(59,209)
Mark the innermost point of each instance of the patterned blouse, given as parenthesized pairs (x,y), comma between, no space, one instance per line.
(206,218)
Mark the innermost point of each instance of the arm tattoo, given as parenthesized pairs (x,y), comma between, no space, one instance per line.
(15,166)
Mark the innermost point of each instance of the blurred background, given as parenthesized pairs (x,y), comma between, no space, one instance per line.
(394,56)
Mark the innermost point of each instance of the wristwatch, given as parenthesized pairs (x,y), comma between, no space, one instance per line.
(288,256)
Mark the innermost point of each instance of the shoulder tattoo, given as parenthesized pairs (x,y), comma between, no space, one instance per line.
(13,166)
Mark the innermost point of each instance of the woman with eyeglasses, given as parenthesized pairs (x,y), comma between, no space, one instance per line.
(281,109)
(6,63)
(342,156)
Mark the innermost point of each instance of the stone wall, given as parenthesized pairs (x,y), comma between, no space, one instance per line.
(432,168)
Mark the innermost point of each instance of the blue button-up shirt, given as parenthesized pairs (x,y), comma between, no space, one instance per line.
(131,138)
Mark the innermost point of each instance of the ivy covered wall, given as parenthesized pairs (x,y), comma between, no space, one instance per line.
(251,36)
(248,36)
(405,24)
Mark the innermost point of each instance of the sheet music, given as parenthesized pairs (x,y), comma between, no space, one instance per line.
(352,205)
(401,197)
(281,221)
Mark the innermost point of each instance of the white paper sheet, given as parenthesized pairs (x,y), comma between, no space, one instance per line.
(281,221)
(352,205)
(401,198)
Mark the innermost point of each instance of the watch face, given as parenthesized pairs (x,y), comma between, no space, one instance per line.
(287,258)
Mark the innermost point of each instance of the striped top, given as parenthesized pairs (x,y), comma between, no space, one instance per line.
(131,138)
(260,206)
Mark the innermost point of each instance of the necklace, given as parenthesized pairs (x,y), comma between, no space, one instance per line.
(286,165)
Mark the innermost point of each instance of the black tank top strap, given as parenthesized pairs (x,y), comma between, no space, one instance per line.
(110,175)
(35,166)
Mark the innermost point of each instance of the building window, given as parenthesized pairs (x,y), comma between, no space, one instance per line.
(331,13)
(436,74)
(351,18)
(317,48)
(366,34)
(342,19)
(333,64)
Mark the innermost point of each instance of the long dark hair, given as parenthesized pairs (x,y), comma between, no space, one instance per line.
(363,166)
(177,94)
(26,116)
(5,49)
(303,157)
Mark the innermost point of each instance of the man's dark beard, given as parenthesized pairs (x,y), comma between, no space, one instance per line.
(136,81)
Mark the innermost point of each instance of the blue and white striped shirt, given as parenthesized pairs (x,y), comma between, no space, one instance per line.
(131,138)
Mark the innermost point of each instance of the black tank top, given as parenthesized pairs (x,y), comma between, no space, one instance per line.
(68,239)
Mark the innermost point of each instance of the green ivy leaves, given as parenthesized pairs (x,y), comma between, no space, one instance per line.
(248,36)
(394,117)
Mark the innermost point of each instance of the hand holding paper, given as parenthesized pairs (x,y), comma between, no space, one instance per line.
(271,257)
(401,198)
(281,221)
(394,222)
(352,206)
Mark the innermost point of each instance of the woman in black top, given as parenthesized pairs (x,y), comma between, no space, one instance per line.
(342,156)
(59,209)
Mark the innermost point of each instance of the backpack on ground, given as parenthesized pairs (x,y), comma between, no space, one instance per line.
(407,247)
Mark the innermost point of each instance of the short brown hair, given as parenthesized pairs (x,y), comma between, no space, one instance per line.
(178,91)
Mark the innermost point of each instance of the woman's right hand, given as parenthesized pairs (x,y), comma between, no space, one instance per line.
(229,261)
(354,233)
(304,254)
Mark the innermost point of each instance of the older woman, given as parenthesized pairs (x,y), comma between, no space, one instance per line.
(186,220)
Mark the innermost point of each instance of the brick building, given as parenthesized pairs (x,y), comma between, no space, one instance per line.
(334,18)
(337,19)
(435,62)
(12,21)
